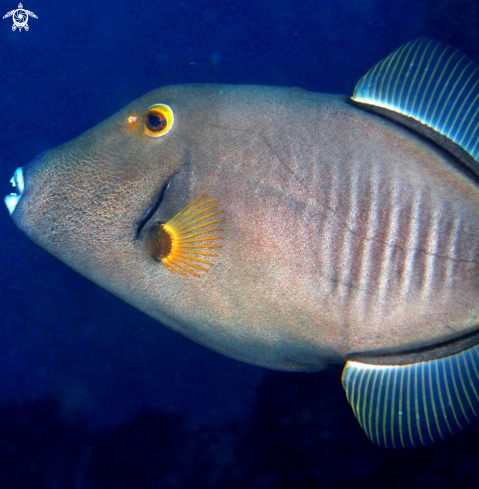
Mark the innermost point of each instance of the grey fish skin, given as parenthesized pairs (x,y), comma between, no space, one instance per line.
(344,233)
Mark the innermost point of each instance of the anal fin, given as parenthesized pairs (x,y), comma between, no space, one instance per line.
(407,406)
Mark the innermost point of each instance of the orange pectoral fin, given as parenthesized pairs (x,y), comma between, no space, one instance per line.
(185,243)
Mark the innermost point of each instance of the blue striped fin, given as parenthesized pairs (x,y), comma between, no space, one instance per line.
(407,406)
(431,83)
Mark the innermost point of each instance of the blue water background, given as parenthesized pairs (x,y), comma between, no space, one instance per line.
(92,392)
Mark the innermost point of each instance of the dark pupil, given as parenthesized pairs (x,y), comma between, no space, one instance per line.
(156,122)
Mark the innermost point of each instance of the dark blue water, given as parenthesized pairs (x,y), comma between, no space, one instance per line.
(93,394)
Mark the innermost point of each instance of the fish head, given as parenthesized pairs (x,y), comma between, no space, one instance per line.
(99,189)
(87,201)
(98,204)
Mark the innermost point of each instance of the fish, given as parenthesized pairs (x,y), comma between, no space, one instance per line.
(293,230)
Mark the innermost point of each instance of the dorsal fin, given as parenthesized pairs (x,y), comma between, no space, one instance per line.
(406,406)
(432,88)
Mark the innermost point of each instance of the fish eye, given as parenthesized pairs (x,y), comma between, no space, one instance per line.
(158,120)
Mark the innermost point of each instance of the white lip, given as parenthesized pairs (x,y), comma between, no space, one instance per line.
(18,183)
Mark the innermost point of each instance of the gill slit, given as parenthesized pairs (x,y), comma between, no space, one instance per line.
(151,211)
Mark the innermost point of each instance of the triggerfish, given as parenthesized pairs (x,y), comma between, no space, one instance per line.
(293,230)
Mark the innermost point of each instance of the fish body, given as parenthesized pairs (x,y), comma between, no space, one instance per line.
(334,234)
(337,223)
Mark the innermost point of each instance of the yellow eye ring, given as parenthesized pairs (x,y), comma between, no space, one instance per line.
(158,120)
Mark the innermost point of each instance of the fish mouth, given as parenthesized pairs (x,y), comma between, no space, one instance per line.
(18,184)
